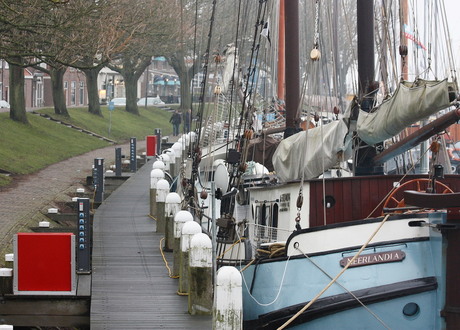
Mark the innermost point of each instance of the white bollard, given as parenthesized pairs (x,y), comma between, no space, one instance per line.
(44,224)
(9,260)
(172,206)
(200,275)
(228,309)
(165,158)
(158,164)
(180,219)
(177,147)
(172,161)
(189,229)
(155,176)
(162,192)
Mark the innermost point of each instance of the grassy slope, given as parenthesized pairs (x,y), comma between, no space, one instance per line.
(28,148)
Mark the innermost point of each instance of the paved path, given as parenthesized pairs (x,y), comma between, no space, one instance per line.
(35,192)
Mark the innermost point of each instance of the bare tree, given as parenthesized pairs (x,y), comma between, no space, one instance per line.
(149,26)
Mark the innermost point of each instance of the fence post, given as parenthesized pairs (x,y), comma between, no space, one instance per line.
(200,275)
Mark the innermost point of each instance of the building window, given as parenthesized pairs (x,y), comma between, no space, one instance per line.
(82,92)
(66,91)
(73,91)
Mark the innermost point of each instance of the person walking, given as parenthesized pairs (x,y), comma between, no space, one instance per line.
(175,120)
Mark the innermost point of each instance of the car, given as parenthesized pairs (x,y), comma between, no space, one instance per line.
(150,101)
(4,104)
(118,101)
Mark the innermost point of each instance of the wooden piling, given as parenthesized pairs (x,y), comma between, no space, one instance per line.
(172,206)
(200,275)
(155,176)
(180,219)
(228,308)
(162,192)
(189,229)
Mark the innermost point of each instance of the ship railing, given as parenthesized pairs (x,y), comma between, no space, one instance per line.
(266,234)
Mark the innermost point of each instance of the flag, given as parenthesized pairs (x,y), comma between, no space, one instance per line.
(409,34)
(266,32)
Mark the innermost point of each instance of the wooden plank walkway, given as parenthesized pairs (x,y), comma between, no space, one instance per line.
(131,288)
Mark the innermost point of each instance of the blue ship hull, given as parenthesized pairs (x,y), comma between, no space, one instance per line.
(402,294)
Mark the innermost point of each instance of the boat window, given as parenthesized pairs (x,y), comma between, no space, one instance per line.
(265,213)
(411,309)
(275,215)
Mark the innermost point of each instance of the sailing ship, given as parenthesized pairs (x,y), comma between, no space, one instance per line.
(365,251)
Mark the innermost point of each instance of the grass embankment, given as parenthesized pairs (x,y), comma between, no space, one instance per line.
(28,148)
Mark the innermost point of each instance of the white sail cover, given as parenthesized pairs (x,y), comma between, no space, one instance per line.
(407,106)
(312,151)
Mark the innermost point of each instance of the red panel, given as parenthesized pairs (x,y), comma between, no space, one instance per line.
(151,145)
(44,261)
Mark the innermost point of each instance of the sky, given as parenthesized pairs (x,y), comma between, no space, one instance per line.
(453,11)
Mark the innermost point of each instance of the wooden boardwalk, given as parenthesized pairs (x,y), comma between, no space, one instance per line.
(131,288)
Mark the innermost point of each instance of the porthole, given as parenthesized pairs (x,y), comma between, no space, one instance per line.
(411,309)
(330,201)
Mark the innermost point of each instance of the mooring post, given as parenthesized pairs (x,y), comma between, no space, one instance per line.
(98,180)
(189,229)
(172,161)
(158,135)
(9,260)
(6,281)
(162,191)
(155,176)
(180,219)
(200,275)
(118,161)
(165,158)
(172,206)
(228,307)
(177,147)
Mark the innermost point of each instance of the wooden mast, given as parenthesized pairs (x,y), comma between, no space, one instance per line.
(292,67)
(281,53)
(367,86)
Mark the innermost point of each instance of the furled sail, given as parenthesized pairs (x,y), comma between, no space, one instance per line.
(312,151)
(412,102)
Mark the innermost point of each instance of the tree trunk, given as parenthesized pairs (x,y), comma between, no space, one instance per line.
(131,73)
(17,97)
(57,82)
(94,106)
(177,61)
(131,93)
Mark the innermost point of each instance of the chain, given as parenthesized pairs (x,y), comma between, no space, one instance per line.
(316,38)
